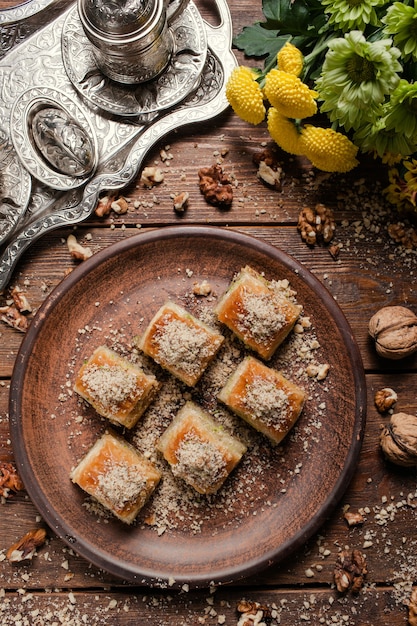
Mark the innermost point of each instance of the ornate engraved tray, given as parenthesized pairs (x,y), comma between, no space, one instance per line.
(46,62)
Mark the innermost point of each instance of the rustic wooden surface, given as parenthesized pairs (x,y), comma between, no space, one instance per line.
(372,271)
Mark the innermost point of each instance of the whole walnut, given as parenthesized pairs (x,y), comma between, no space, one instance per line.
(394,329)
(399,440)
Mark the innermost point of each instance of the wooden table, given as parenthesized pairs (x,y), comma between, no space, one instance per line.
(371,271)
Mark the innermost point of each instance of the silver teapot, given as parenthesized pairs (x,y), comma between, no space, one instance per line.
(131,39)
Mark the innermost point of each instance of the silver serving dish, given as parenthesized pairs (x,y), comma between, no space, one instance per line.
(69,132)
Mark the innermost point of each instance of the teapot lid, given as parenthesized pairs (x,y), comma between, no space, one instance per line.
(117,17)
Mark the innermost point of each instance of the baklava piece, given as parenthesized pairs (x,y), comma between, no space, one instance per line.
(180,343)
(117,475)
(257,312)
(118,389)
(199,450)
(263,398)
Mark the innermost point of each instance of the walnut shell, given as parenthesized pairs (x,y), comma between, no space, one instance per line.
(399,440)
(394,329)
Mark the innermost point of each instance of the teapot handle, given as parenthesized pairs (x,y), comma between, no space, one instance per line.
(175,8)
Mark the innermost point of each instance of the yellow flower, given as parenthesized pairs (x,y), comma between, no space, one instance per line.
(290,95)
(328,150)
(290,59)
(245,96)
(284,132)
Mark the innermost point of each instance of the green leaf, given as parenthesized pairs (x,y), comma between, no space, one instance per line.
(295,17)
(258,41)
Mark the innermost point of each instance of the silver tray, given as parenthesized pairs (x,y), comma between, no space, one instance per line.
(46,55)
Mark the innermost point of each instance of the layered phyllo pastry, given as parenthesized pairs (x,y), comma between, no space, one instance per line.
(199,450)
(117,476)
(264,398)
(259,314)
(115,387)
(180,343)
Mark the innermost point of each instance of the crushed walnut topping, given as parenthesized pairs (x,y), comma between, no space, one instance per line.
(266,401)
(109,385)
(121,483)
(261,315)
(199,462)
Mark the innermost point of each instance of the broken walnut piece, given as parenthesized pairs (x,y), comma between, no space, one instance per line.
(151,176)
(103,207)
(9,480)
(385,399)
(412,608)
(180,201)
(216,186)
(354,518)
(269,168)
(20,300)
(350,571)
(316,224)
(406,236)
(77,251)
(252,613)
(14,318)
(25,548)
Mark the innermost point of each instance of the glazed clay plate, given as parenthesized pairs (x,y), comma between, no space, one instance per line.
(274,500)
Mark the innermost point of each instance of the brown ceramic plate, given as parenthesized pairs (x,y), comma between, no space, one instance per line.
(260,519)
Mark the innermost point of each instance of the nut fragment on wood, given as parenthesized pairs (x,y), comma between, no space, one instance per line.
(399,440)
(394,329)
(350,571)
(20,300)
(103,207)
(25,548)
(412,608)
(77,251)
(270,176)
(354,518)
(151,176)
(9,480)
(180,201)
(202,289)
(405,235)
(216,186)
(120,206)
(316,225)
(385,399)
(252,613)
(14,318)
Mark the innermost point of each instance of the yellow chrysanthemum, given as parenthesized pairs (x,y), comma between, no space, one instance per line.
(245,96)
(290,59)
(284,132)
(290,95)
(327,149)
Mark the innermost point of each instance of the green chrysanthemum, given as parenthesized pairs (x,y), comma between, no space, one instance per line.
(290,59)
(401,21)
(244,95)
(376,137)
(290,95)
(352,14)
(284,132)
(327,149)
(402,189)
(402,110)
(356,77)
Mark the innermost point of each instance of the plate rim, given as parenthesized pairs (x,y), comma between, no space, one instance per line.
(227,574)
